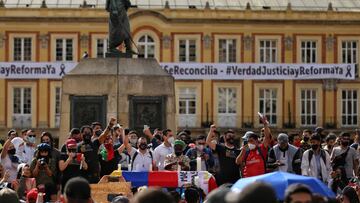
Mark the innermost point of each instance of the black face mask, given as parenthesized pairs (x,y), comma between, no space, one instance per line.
(315,146)
(87,137)
(11,151)
(306,139)
(143,146)
(178,153)
(230,140)
(345,143)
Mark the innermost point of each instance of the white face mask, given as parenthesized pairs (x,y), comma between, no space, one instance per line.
(200,147)
(171,140)
(31,140)
(251,146)
(133,141)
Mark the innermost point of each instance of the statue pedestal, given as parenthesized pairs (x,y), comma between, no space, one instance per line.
(136,91)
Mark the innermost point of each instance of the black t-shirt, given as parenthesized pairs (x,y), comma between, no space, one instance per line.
(72,170)
(229,171)
(90,151)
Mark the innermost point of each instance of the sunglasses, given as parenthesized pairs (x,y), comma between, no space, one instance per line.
(32,135)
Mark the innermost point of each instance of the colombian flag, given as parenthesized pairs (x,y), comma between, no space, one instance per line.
(171,179)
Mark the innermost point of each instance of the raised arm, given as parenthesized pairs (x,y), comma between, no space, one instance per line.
(267,132)
(210,137)
(5,149)
(103,135)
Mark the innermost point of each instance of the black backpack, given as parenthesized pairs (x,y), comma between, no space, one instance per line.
(322,155)
(134,157)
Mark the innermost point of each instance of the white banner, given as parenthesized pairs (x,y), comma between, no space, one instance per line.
(35,70)
(199,178)
(258,71)
(196,71)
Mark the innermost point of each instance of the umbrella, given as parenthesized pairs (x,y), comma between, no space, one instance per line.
(281,180)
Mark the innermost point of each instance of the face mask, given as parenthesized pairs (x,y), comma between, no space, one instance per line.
(200,147)
(251,146)
(178,153)
(230,140)
(143,146)
(345,143)
(31,140)
(314,146)
(87,137)
(133,141)
(171,140)
(11,151)
(47,143)
(306,139)
(297,143)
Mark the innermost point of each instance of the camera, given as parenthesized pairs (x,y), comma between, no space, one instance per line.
(42,161)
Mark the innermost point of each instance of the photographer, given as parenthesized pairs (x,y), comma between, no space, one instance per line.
(43,167)
(71,164)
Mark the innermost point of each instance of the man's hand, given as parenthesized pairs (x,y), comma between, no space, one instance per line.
(212,128)
(112,122)
(205,156)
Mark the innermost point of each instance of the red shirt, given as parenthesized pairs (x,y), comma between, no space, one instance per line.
(255,162)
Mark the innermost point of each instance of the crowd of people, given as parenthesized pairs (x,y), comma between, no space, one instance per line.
(31,170)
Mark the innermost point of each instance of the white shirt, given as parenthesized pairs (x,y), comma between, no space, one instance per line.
(9,166)
(142,162)
(160,153)
(284,160)
(28,154)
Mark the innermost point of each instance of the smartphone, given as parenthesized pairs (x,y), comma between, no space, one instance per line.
(78,157)
(146,127)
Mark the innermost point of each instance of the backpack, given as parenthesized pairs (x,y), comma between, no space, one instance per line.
(262,157)
(134,157)
(322,155)
(340,160)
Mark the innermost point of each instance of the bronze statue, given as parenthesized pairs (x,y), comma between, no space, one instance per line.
(119,26)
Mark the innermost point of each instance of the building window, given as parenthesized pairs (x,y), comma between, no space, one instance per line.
(187,50)
(308,51)
(187,101)
(267,104)
(227,107)
(146,45)
(21,107)
(268,51)
(349,50)
(64,50)
(349,112)
(187,107)
(22,49)
(101,47)
(308,107)
(57,106)
(227,50)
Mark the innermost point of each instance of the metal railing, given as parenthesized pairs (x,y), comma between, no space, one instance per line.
(351,5)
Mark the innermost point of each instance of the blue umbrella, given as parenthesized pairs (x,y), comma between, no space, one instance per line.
(281,180)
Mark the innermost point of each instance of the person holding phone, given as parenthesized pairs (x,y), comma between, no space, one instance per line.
(284,156)
(43,168)
(253,155)
(71,164)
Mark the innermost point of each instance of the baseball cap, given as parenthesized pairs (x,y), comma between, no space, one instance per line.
(71,143)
